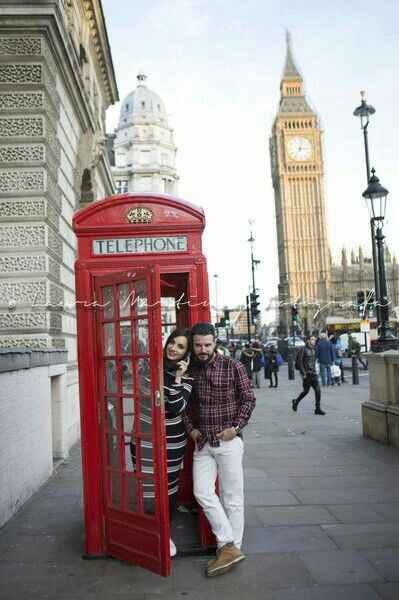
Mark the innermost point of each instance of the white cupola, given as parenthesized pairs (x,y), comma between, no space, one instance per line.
(144,146)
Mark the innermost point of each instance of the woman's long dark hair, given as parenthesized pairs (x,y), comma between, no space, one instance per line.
(179,332)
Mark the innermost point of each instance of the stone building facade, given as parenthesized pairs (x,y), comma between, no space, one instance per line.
(56,82)
(355,274)
(142,149)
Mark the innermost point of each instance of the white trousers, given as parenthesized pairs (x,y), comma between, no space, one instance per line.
(225,514)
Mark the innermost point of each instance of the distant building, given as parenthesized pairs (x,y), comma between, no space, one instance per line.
(239,322)
(142,149)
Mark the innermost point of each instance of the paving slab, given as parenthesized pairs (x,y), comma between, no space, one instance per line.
(294,515)
(389,511)
(270,498)
(348,496)
(339,567)
(387,591)
(264,484)
(330,592)
(385,561)
(327,483)
(49,581)
(356,513)
(364,535)
(285,539)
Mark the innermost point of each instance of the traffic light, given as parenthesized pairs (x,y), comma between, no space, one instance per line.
(254,300)
(226,317)
(360,302)
(370,302)
(294,313)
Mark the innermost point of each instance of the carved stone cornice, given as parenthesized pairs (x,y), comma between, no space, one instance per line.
(95,16)
(46,17)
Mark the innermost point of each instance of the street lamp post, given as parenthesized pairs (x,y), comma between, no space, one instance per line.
(364,111)
(253,295)
(215,278)
(376,197)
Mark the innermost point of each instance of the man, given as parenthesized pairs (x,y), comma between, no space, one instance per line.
(354,349)
(222,402)
(307,367)
(326,358)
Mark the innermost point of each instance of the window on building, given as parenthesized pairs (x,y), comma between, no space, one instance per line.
(143,104)
(121,186)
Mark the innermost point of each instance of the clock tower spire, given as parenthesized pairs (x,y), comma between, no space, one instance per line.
(298,181)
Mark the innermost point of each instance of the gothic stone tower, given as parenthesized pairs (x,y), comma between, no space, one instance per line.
(297,172)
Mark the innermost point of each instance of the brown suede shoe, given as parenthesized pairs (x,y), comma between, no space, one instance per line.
(227,556)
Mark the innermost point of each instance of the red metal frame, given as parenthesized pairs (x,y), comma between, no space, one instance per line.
(106,530)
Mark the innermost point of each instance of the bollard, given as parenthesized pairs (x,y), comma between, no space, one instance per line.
(355,371)
(291,370)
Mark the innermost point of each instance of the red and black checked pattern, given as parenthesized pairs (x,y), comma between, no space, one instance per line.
(222,397)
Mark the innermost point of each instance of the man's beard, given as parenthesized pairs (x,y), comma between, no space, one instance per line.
(203,360)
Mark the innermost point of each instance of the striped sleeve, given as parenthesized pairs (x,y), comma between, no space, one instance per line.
(177,396)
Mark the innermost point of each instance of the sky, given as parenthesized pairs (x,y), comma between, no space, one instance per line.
(217,65)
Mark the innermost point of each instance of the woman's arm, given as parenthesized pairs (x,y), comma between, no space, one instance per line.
(177,395)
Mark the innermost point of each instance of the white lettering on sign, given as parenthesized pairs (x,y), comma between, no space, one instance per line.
(141,245)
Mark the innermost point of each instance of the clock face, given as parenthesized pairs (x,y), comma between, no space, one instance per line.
(299,148)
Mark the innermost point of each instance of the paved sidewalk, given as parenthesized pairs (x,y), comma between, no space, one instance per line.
(322,519)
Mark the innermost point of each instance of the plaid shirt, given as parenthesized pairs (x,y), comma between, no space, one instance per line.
(222,397)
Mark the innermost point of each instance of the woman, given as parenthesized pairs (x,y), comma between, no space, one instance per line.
(177,388)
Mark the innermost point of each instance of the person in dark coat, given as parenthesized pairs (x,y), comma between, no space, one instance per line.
(266,364)
(326,356)
(273,366)
(307,368)
(257,362)
(246,359)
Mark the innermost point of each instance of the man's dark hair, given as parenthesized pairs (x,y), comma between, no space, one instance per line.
(203,329)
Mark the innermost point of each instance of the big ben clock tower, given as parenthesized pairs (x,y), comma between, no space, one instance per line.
(297,171)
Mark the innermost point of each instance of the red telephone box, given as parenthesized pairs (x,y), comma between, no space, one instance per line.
(140,273)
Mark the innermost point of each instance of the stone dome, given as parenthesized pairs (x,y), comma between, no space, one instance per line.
(142,104)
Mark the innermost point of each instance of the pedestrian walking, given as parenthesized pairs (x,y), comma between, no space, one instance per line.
(306,362)
(220,407)
(325,356)
(355,350)
(257,363)
(246,358)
